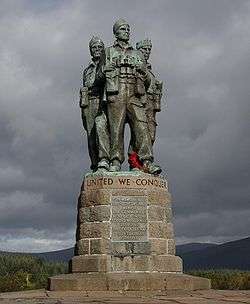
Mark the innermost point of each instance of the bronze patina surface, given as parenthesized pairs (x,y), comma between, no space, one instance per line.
(120,88)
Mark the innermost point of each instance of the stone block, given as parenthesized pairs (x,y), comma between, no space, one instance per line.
(130,263)
(62,283)
(99,246)
(127,282)
(129,192)
(136,282)
(166,263)
(82,247)
(161,230)
(186,282)
(78,282)
(130,248)
(171,247)
(158,246)
(94,197)
(94,214)
(95,230)
(97,263)
(156,213)
(170,231)
(168,215)
(162,197)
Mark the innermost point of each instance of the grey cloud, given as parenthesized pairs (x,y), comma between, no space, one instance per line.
(200,51)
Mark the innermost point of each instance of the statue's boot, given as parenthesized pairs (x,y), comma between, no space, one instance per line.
(151,168)
(115,166)
(103,165)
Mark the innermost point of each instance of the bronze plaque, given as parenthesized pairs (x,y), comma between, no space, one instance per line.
(129,218)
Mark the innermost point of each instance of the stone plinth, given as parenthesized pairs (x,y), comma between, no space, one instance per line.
(125,234)
(133,281)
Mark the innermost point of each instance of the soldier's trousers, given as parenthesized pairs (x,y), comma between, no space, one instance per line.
(95,124)
(123,108)
(151,120)
(150,113)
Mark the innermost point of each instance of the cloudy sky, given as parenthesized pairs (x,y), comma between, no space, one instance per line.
(201,50)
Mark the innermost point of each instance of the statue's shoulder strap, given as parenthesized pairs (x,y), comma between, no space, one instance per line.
(109,52)
(84,73)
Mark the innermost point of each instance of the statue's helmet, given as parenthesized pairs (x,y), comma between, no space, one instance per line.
(119,23)
(143,43)
(95,40)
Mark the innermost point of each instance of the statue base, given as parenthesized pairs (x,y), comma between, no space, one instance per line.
(125,282)
(125,237)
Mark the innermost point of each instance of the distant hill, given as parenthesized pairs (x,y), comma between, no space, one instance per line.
(63,255)
(56,256)
(181,249)
(230,255)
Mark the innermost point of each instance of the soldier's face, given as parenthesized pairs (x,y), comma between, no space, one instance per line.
(96,50)
(123,32)
(146,51)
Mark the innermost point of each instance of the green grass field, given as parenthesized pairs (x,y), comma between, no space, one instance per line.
(225,279)
(24,272)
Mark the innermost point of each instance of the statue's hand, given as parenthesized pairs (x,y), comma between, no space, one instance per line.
(142,69)
(83,97)
(80,97)
(80,93)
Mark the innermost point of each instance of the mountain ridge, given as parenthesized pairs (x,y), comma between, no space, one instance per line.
(230,255)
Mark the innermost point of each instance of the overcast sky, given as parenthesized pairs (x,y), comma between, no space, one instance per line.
(201,50)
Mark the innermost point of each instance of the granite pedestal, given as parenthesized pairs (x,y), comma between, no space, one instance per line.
(125,237)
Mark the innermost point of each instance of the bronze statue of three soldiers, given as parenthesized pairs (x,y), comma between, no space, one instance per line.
(119,87)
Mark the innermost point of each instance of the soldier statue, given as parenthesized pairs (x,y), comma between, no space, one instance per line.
(119,88)
(154,91)
(125,75)
(153,101)
(93,110)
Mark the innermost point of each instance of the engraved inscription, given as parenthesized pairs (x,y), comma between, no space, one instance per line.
(128,182)
(129,219)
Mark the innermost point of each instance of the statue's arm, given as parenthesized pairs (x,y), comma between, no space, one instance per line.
(84,78)
(143,70)
(158,95)
(83,91)
(100,71)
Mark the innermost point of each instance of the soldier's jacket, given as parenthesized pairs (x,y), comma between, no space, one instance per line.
(154,91)
(91,88)
(117,63)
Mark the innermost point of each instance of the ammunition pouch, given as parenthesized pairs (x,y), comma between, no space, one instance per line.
(140,86)
(84,99)
(112,81)
(157,103)
(158,95)
(140,113)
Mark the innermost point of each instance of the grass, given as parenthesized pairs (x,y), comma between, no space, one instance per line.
(225,279)
(24,272)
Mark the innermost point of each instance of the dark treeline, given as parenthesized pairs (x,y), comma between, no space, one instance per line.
(225,279)
(23,272)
